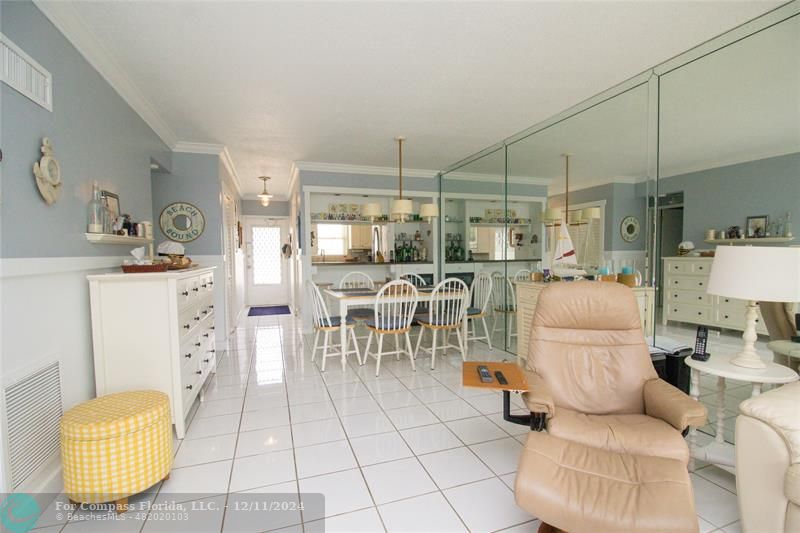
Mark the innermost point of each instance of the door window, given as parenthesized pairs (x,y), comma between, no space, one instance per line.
(266,255)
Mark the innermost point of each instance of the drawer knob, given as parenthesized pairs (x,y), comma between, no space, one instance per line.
(189,387)
(211,283)
(213,351)
(204,285)
(700,283)
(699,312)
(188,356)
(699,297)
(205,335)
(211,307)
(726,316)
(197,318)
(185,293)
(212,327)
(186,326)
(205,312)
(206,360)
(198,372)
(195,289)
(197,344)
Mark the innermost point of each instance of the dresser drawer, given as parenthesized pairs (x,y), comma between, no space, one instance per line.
(691,283)
(206,284)
(188,320)
(688,297)
(677,267)
(688,313)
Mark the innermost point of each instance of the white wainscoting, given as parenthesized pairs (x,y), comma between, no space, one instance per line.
(44,309)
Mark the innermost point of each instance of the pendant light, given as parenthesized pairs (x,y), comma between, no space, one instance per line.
(264,196)
(402,207)
(371,211)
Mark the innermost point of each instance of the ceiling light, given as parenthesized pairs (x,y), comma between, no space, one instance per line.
(371,211)
(429,211)
(264,194)
(265,201)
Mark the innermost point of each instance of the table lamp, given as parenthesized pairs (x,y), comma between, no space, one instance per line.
(753,274)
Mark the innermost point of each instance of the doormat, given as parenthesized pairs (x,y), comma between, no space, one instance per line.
(272,310)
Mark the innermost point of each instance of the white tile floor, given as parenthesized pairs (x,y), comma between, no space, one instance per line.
(402,452)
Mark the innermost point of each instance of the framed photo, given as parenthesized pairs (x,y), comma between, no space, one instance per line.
(757,226)
(111,201)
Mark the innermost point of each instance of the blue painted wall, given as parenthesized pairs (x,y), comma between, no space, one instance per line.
(274,209)
(726,196)
(195,178)
(96,136)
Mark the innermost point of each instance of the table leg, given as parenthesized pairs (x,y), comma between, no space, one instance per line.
(694,392)
(720,437)
(524,420)
(343,331)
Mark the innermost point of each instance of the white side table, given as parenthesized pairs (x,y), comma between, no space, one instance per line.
(720,452)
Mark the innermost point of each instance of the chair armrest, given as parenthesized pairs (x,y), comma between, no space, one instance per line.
(538,399)
(791,483)
(673,406)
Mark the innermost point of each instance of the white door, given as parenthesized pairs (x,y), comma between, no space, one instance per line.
(267,270)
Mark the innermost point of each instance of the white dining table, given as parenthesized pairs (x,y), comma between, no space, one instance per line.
(348,298)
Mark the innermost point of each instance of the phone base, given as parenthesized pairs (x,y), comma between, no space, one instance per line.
(701,356)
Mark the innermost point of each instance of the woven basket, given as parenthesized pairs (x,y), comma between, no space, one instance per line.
(140,269)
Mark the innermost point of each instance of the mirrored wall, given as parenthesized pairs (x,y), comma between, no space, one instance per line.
(642,182)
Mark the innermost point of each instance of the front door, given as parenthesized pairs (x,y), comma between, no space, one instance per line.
(267,270)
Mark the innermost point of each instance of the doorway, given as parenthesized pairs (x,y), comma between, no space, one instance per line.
(267,269)
(670,235)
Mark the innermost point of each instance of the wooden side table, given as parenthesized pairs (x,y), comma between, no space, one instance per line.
(720,452)
(516,383)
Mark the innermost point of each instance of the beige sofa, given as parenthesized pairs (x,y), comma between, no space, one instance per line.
(768,461)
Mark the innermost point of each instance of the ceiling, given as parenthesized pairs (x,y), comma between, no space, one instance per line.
(334,82)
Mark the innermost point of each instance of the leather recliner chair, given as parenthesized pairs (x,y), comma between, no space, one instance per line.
(613,457)
(768,461)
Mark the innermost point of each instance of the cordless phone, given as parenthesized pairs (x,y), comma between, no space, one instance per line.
(501,379)
(483,372)
(700,344)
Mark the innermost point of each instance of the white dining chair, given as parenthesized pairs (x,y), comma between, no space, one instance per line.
(446,310)
(522,274)
(504,304)
(415,279)
(358,280)
(326,324)
(395,305)
(480,296)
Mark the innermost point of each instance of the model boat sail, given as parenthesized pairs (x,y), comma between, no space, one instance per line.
(565,260)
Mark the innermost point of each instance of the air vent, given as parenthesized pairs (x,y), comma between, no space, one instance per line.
(33,413)
(22,73)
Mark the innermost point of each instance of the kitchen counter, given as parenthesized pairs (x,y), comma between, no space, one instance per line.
(368,263)
(534,259)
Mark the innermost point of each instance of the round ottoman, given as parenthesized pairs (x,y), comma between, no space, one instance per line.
(115,446)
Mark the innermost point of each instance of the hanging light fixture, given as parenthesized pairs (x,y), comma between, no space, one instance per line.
(402,207)
(371,211)
(264,196)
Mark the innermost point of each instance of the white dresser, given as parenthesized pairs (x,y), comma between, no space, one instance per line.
(154,331)
(686,300)
(527,293)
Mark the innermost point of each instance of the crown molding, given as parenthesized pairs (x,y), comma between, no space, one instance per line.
(476,176)
(198,148)
(339,168)
(65,17)
(294,175)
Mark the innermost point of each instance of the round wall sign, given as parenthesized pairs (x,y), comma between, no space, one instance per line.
(629,228)
(182,222)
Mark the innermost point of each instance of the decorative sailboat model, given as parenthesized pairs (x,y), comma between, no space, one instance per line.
(564,259)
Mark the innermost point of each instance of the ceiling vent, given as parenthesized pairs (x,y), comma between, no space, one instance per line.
(33,414)
(23,74)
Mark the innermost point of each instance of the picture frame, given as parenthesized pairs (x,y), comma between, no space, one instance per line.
(111,201)
(239,234)
(756,226)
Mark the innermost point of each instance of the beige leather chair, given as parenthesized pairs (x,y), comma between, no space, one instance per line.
(768,461)
(613,457)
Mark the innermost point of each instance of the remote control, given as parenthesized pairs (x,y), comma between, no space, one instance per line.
(501,379)
(700,353)
(483,372)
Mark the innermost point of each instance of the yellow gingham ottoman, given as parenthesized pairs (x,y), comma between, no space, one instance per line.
(115,446)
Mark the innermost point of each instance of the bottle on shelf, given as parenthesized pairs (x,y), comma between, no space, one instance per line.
(96,219)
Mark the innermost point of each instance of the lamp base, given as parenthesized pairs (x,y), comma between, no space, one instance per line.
(748,357)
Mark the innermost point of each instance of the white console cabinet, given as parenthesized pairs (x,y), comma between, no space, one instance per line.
(154,331)
(686,299)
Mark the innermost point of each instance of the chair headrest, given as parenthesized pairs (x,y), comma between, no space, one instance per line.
(594,305)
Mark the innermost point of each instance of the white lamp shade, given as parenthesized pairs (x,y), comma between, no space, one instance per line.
(756,273)
(575,216)
(589,213)
(551,214)
(371,210)
(402,207)
(265,201)
(429,210)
